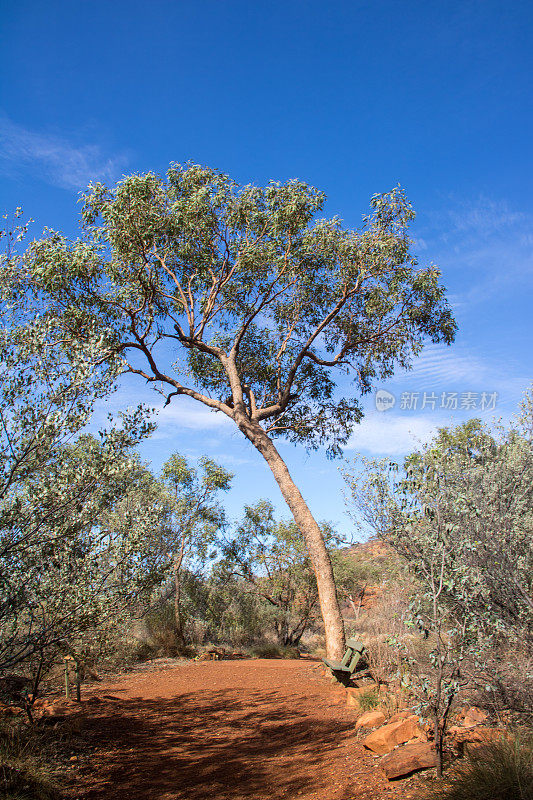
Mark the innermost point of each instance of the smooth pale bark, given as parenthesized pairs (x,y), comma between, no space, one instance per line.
(327,593)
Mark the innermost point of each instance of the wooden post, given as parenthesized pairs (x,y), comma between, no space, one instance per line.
(67,680)
(78,682)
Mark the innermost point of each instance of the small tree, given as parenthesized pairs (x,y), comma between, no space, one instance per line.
(459,513)
(354,575)
(272,560)
(54,483)
(194,518)
(237,298)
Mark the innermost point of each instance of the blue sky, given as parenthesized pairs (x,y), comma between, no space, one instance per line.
(352,97)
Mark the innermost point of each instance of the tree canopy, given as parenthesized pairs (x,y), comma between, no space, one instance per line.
(463,504)
(59,560)
(261,298)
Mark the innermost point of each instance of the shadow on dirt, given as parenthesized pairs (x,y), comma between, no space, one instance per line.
(206,744)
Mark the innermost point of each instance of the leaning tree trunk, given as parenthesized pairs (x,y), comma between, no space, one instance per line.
(327,593)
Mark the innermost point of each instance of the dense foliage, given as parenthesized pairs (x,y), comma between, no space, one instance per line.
(59,561)
(459,512)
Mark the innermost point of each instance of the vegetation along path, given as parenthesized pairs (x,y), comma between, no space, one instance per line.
(226,729)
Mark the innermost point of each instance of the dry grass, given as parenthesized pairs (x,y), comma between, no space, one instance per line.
(271,650)
(380,624)
(368,701)
(499,771)
(28,763)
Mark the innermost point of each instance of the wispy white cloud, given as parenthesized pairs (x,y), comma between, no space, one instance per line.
(393,435)
(438,365)
(458,368)
(185,413)
(182,413)
(54,158)
(486,241)
(439,370)
(484,215)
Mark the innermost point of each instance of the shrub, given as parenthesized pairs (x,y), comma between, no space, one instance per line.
(269,650)
(499,771)
(368,700)
(164,638)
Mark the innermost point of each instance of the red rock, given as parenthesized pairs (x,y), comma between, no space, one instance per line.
(471,738)
(483,735)
(384,739)
(61,708)
(474,716)
(408,759)
(10,711)
(42,702)
(401,715)
(370,719)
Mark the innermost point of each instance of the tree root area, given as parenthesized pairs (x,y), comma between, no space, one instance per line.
(228,730)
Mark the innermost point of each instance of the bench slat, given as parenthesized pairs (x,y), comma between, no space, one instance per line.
(336,666)
(355,645)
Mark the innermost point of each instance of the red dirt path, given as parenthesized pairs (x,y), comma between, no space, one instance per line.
(229,730)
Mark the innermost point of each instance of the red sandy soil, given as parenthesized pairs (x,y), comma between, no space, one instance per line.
(256,729)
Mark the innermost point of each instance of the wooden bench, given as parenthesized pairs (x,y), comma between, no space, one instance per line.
(343,670)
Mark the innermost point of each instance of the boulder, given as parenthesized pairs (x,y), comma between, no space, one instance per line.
(10,711)
(410,758)
(213,654)
(385,739)
(61,709)
(401,715)
(42,702)
(473,716)
(465,739)
(370,719)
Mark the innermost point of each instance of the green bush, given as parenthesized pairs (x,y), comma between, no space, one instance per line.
(163,636)
(499,771)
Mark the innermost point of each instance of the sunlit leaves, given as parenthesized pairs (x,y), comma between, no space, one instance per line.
(249,277)
(58,562)
(271,558)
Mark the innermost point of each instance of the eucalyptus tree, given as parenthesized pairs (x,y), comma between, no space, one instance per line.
(66,574)
(243,300)
(193,518)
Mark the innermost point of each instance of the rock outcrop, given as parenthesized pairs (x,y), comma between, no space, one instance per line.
(370,719)
(408,759)
(386,738)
